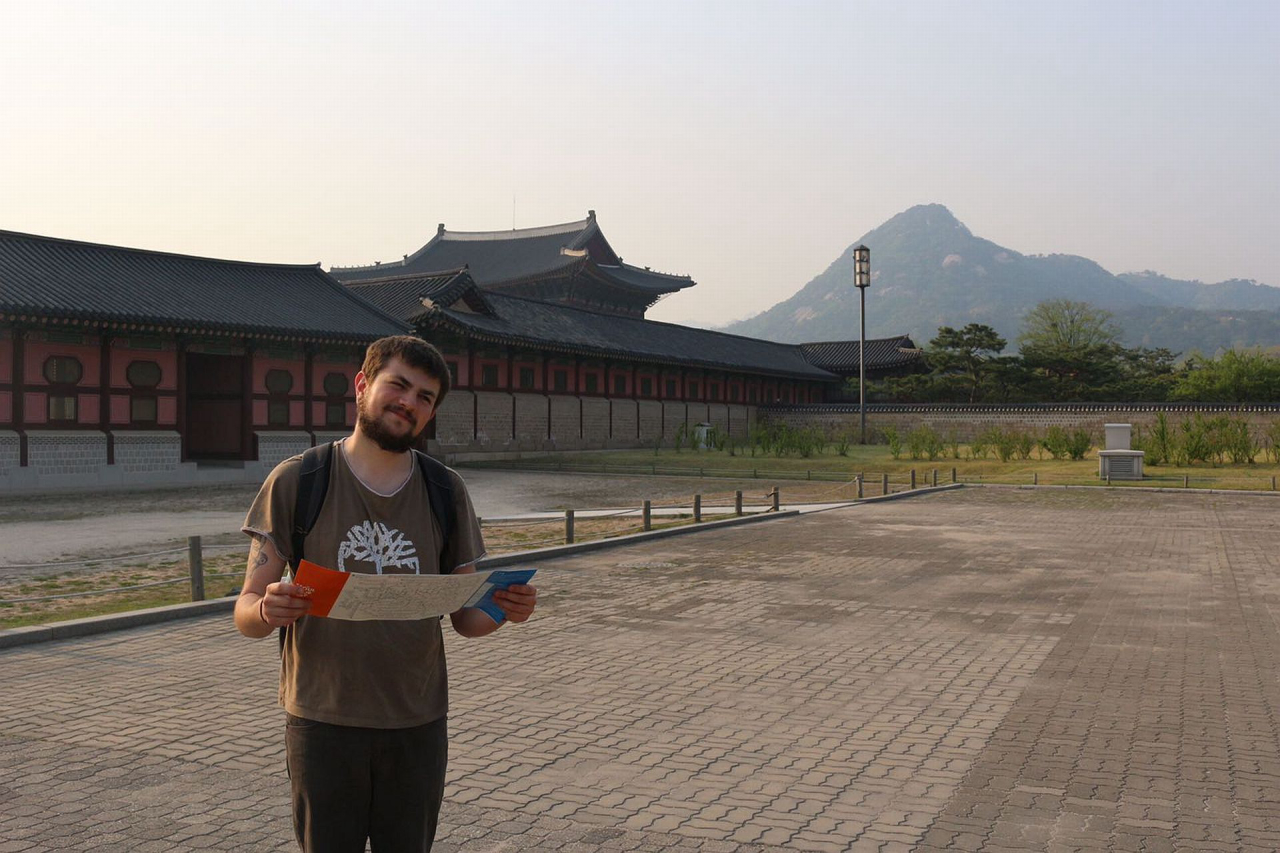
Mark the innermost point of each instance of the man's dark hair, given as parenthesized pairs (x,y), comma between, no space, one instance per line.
(414,352)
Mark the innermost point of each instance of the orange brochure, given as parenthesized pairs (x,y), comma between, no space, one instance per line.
(325,585)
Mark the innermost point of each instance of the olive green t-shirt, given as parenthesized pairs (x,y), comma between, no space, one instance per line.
(376,674)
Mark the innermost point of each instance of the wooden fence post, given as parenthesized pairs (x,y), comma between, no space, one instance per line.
(777,499)
(737,502)
(568,527)
(195,560)
(884,484)
(913,479)
(697,509)
(859,487)
(648,515)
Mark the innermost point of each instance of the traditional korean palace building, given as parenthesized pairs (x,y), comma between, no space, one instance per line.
(124,367)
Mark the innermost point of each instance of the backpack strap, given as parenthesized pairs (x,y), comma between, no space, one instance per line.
(313,482)
(440,496)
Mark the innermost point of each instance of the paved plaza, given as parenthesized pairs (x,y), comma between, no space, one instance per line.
(981,669)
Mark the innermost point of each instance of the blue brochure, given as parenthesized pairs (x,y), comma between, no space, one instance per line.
(497,579)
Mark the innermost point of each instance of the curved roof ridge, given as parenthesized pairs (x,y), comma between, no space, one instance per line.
(407,276)
(518,233)
(650,271)
(135,250)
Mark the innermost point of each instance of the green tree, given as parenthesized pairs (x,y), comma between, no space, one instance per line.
(1074,345)
(968,351)
(1237,376)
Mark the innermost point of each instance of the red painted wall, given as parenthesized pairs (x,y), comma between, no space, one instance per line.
(37,352)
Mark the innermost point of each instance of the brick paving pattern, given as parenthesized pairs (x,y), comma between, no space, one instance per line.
(989,669)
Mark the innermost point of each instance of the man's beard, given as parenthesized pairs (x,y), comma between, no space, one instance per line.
(389,441)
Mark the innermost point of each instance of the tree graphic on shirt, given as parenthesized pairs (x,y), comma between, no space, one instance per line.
(374,542)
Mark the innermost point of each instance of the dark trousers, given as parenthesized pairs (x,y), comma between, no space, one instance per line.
(351,783)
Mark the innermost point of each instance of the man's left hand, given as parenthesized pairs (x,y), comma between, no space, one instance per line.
(517,601)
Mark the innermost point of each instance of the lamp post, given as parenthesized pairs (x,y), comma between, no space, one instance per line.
(862,280)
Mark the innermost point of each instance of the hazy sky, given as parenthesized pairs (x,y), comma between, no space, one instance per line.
(745,144)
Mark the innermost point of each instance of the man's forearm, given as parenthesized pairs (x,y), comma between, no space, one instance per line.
(473,622)
(248,617)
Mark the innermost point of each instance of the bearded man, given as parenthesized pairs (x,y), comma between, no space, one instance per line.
(366,702)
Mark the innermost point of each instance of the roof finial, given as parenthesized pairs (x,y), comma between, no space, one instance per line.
(591,214)
(440,228)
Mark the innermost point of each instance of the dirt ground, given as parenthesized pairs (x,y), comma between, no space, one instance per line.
(57,528)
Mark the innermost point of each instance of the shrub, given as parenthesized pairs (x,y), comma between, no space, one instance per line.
(1056,442)
(894,440)
(924,441)
(843,442)
(1237,441)
(1160,447)
(984,442)
(953,444)
(1273,441)
(1079,444)
(1006,442)
(1026,442)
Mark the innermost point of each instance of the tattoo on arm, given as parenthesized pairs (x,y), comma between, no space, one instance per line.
(257,558)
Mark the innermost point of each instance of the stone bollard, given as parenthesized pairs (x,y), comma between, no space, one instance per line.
(737,502)
(648,515)
(568,527)
(697,509)
(195,560)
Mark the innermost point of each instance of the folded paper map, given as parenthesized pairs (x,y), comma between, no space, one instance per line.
(362,597)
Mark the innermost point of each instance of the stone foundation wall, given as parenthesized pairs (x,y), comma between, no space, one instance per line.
(147,451)
(66,453)
(650,414)
(531,420)
(625,419)
(275,447)
(564,422)
(493,419)
(966,422)
(454,421)
(10,452)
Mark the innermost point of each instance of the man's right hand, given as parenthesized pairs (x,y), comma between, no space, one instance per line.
(283,603)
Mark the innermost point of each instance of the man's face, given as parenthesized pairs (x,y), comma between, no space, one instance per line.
(396,406)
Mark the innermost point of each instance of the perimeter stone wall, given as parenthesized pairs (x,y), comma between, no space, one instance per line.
(481,422)
(966,423)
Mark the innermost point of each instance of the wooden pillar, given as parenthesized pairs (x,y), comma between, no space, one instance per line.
(180,382)
(308,391)
(608,394)
(546,387)
(104,396)
(471,385)
(247,450)
(577,381)
(19,392)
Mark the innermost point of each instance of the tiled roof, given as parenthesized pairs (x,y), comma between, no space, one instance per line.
(842,356)
(401,296)
(528,322)
(495,257)
(50,277)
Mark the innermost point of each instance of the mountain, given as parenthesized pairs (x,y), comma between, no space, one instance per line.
(929,270)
